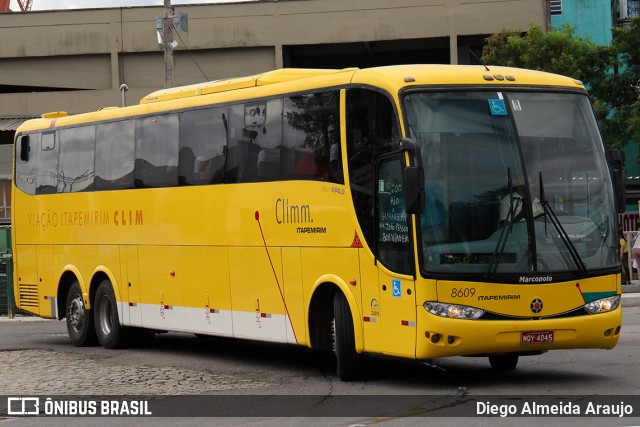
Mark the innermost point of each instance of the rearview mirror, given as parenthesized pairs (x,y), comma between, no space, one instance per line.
(414,190)
(616,165)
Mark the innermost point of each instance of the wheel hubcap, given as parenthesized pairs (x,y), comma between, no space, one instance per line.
(104,313)
(75,314)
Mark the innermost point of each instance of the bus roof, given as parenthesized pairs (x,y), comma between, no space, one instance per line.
(396,77)
(270,77)
(391,78)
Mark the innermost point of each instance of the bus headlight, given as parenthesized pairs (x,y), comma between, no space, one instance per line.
(603,305)
(453,311)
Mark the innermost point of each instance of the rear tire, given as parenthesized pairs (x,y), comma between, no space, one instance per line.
(350,363)
(79,319)
(504,362)
(108,329)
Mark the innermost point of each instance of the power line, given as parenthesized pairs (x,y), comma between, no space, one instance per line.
(190,55)
(167,39)
(167,25)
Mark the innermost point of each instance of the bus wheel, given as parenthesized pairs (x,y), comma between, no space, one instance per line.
(79,319)
(504,362)
(348,360)
(108,329)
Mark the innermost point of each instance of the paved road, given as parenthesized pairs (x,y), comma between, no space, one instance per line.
(37,359)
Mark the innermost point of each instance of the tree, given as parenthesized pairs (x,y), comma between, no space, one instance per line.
(558,51)
(619,89)
(612,73)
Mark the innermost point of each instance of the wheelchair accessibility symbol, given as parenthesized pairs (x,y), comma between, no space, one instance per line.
(498,107)
(396,288)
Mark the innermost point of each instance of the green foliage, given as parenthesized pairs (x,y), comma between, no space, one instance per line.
(621,89)
(612,73)
(559,51)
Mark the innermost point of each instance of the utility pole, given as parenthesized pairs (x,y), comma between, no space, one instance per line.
(167,39)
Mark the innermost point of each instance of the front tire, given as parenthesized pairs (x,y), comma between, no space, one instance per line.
(108,329)
(79,319)
(348,360)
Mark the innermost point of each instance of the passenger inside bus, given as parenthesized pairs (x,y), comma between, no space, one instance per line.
(513,202)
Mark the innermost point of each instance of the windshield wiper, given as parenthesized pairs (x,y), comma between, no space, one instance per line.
(506,228)
(560,229)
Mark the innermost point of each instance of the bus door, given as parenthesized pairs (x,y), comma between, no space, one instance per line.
(394,259)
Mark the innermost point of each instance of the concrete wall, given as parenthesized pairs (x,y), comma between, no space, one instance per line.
(591,18)
(5,162)
(90,53)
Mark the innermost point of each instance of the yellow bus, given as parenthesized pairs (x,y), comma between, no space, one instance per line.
(417,211)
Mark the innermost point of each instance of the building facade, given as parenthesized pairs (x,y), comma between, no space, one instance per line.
(77,60)
(591,18)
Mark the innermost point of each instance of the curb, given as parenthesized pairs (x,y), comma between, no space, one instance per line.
(631,294)
(630,300)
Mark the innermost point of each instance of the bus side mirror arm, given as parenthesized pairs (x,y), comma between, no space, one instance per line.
(409,145)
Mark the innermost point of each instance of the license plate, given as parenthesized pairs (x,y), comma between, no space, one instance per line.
(536,337)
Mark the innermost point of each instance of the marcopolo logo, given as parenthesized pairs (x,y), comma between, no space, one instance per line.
(535,279)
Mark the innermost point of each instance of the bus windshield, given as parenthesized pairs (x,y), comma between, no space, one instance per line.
(514,182)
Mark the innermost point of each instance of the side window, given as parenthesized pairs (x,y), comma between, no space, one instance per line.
(157,151)
(26,162)
(372,130)
(255,140)
(269,140)
(203,140)
(312,137)
(394,247)
(115,153)
(239,166)
(77,151)
(47,179)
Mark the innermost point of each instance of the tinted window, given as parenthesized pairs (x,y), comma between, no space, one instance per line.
(240,164)
(241,143)
(311,135)
(255,140)
(372,130)
(26,164)
(203,138)
(157,151)
(75,168)
(115,148)
(47,179)
(269,140)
